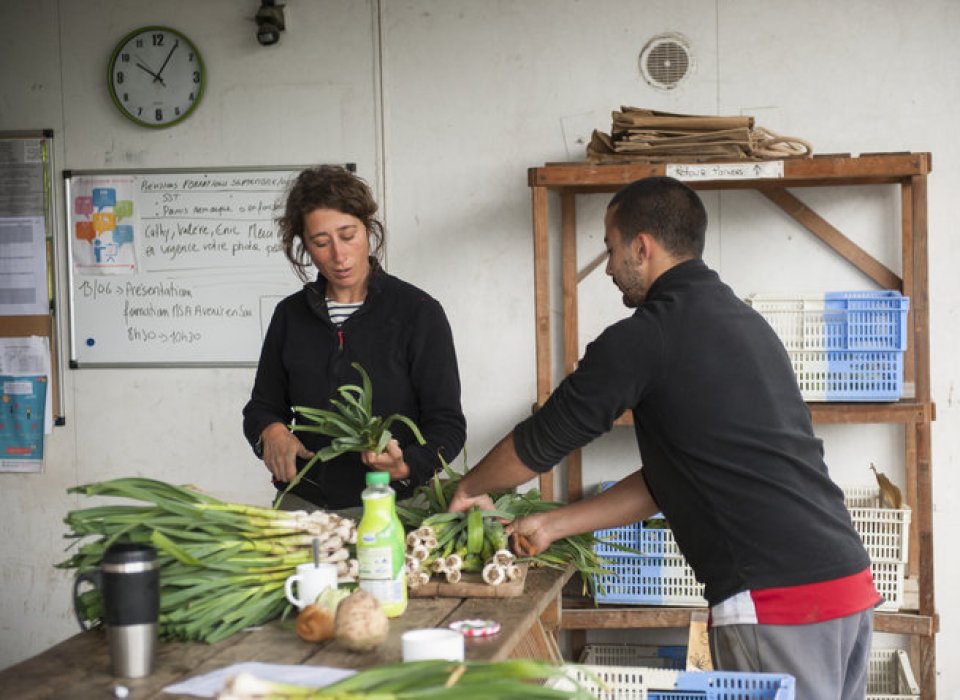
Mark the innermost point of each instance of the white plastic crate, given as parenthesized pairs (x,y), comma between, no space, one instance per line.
(886,536)
(648,655)
(890,676)
(637,683)
(885,531)
(888,578)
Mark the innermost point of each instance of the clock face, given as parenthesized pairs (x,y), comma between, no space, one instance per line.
(156,76)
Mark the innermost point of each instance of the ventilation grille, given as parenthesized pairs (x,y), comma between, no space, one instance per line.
(665,61)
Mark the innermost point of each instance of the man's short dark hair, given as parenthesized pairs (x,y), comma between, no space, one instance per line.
(667,209)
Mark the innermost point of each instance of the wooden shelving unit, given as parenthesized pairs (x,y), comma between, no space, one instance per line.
(908,172)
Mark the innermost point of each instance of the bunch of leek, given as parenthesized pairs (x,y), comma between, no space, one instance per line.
(433,498)
(222,565)
(453,543)
(575,549)
(351,425)
(440,680)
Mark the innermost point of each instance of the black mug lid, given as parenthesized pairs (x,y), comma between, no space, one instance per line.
(129,556)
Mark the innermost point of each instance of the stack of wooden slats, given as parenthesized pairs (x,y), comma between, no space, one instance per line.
(660,137)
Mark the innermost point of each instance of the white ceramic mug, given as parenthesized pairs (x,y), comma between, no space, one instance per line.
(432,643)
(309,582)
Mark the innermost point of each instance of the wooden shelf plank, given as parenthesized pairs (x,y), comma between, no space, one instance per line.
(904,412)
(820,171)
(582,614)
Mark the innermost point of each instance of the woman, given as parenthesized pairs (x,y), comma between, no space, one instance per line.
(353,312)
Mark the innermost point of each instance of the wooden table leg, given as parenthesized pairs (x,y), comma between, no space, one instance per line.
(698,643)
(538,644)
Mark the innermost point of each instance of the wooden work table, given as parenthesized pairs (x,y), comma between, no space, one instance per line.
(79,667)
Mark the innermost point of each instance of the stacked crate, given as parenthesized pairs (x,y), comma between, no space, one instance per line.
(889,675)
(886,534)
(844,346)
(660,575)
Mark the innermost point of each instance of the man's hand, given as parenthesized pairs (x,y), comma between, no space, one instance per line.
(530,535)
(280,451)
(461,503)
(500,470)
(390,461)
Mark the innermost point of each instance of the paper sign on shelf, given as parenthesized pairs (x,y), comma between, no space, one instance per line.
(769,169)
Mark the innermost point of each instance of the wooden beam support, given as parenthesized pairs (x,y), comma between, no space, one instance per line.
(541,308)
(822,229)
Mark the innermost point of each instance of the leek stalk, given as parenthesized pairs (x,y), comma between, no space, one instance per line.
(222,565)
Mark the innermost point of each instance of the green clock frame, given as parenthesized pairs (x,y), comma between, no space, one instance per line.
(135,76)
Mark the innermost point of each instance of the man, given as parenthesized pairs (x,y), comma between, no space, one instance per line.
(728,451)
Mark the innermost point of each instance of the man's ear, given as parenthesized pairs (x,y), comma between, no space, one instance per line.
(642,246)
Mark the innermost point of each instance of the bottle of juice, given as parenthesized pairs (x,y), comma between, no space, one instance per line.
(380,545)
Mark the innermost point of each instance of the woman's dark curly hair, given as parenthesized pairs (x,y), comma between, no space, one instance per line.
(326,187)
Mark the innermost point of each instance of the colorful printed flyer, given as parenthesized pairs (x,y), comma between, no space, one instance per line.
(103,221)
(22,402)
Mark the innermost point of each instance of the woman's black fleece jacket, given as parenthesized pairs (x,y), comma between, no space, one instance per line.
(401,337)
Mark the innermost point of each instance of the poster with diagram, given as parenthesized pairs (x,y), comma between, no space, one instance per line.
(104,219)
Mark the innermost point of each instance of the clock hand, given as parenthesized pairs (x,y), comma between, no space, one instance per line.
(165,61)
(155,76)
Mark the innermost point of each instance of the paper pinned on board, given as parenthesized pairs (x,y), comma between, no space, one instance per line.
(28,356)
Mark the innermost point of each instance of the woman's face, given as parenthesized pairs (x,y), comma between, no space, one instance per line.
(338,245)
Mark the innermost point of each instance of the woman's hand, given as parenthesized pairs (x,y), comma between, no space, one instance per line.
(390,461)
(531,534)
(280,451)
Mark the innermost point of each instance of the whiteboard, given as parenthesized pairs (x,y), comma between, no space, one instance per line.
(174,267)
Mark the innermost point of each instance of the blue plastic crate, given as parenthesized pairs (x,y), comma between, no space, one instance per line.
(729,685)
(866,320)
(844,346)
(657,575)
(648,581)
(652,537)
(634,683)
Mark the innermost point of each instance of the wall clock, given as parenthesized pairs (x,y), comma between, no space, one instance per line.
(156,76)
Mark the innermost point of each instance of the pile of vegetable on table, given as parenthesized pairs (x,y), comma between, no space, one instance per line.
(223,565)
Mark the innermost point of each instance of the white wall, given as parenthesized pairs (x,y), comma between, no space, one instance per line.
(472,95)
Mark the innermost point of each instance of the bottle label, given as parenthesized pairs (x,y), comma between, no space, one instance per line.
(375,562)
(386,591)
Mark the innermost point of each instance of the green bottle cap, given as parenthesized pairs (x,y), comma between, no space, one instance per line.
(377,478)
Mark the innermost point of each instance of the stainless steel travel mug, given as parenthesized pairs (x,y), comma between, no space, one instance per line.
(129,583)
